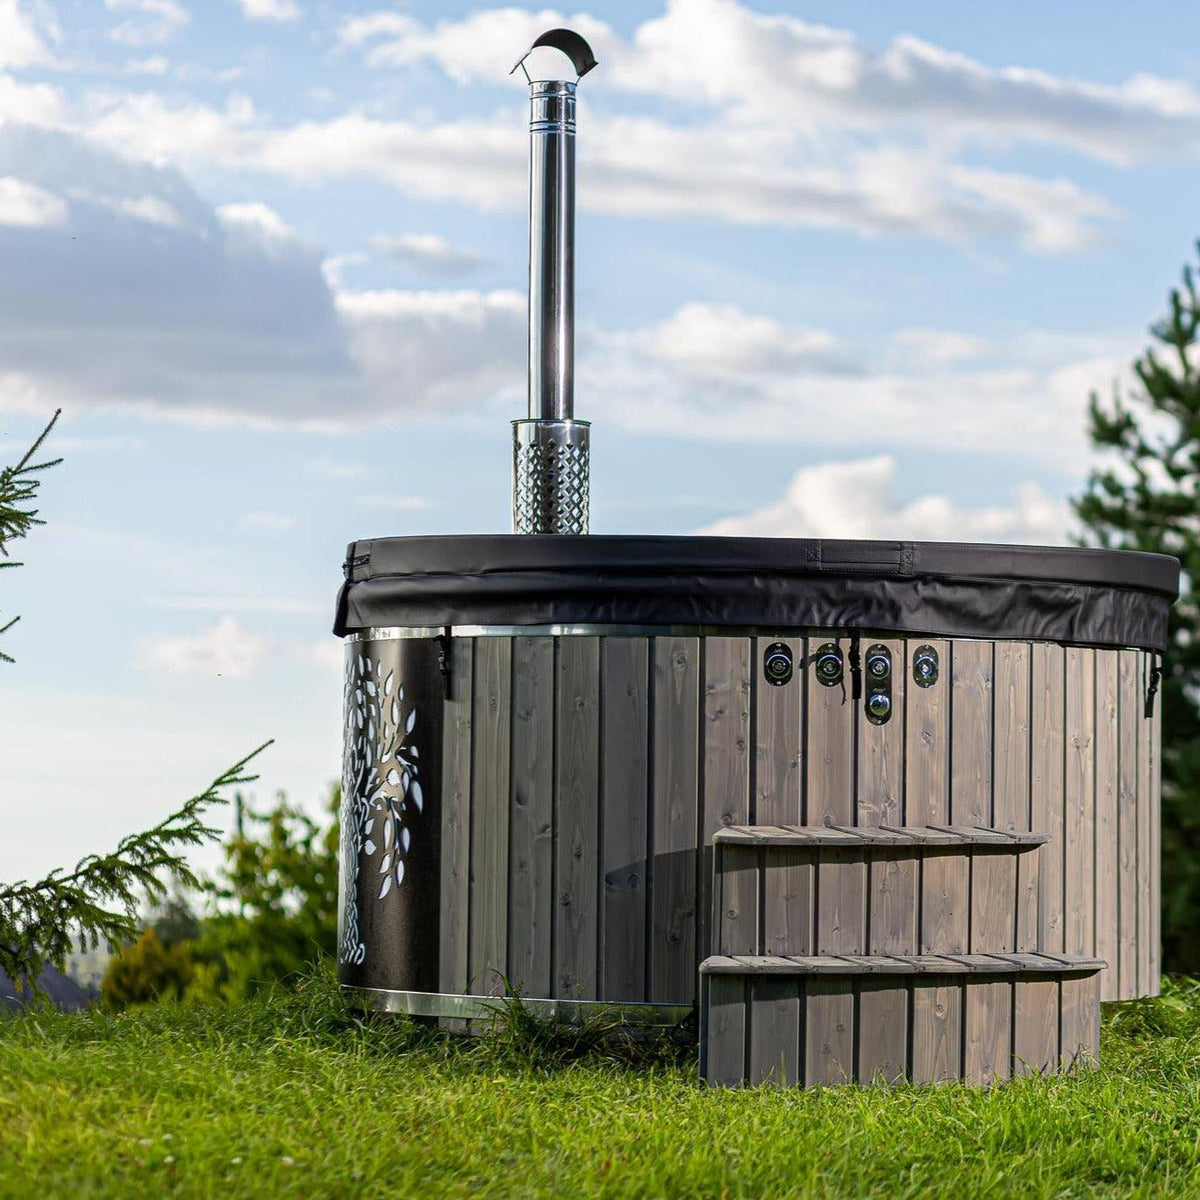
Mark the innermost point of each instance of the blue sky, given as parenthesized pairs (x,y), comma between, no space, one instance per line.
(843,270)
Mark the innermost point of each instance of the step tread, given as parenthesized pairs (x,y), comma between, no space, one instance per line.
(862,836)
(900,964)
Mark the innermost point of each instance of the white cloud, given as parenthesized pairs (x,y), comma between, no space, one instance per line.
(720,169)
(779,70)
(152,209)
(25,205)
(22,35)
(258,221)
(253,337)
(721,339)
(428,252)
(269,10)
(228,649)
(357,31)
(444,353)
(30,103)
(151,21)
(936,349)
(857,499)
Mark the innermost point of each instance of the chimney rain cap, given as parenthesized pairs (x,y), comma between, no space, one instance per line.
(570,43)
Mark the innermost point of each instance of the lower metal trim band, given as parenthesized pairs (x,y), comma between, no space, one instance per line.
(488,1008)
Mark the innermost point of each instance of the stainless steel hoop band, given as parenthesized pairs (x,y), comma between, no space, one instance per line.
(550,476)
(488,1008)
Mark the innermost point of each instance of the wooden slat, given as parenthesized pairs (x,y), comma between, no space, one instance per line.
(987,1042)
(879,791)
(726,772)
(1012,799)
(787,901)
(1145,848)
(531,882)
(841,884)
(1047,784)
(936,1029)
(577,810)
(778,717)
(1079,934)
(1080,1022)
(624,816)
(829,1031)
(736,899)
(775,1030)
(971,684)
(927,747)
(725,1052)
(993,902)
(830,741)
(893,903)
(489,815)
(841,908)
(1035,1026)
(1011,722)
(456,821)
(675,782)
(1107,778)
(882,1031)
(945,907)
(1130,704)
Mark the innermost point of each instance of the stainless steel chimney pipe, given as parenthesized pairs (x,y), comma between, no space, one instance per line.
(550,447)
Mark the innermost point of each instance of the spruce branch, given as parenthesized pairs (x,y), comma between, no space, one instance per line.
(98,902)
(18,490)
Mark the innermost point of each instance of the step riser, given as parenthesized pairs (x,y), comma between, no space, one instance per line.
(813,1030)
(793,900)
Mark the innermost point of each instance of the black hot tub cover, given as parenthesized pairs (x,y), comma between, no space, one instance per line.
(947,589)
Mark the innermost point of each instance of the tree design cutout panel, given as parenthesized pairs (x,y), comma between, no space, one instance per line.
(381,791)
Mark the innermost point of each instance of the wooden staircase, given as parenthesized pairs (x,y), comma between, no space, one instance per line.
(863,954)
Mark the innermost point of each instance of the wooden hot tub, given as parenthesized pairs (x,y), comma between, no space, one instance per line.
(549,739)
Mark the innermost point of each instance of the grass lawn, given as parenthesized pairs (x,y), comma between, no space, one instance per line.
(292,1097)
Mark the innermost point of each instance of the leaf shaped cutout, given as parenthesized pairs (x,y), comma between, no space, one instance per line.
(393,777)
(387,833)
(386,866)
(387,887)
(415,793)
(416,753)
(405,838)
(411,722)
(399,873)
(369,846)
(387,683)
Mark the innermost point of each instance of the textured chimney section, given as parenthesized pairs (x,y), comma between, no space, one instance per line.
(550,447)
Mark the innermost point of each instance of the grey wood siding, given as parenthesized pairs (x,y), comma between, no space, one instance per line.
(584,777)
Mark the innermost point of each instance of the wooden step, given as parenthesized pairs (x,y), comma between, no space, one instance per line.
(901,964)
(861,837)
(827,1019)
(830,889)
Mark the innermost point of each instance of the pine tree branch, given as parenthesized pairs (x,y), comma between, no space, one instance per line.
(98,902)
(18,488)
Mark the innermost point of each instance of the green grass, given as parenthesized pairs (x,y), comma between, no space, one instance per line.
(292,1097)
